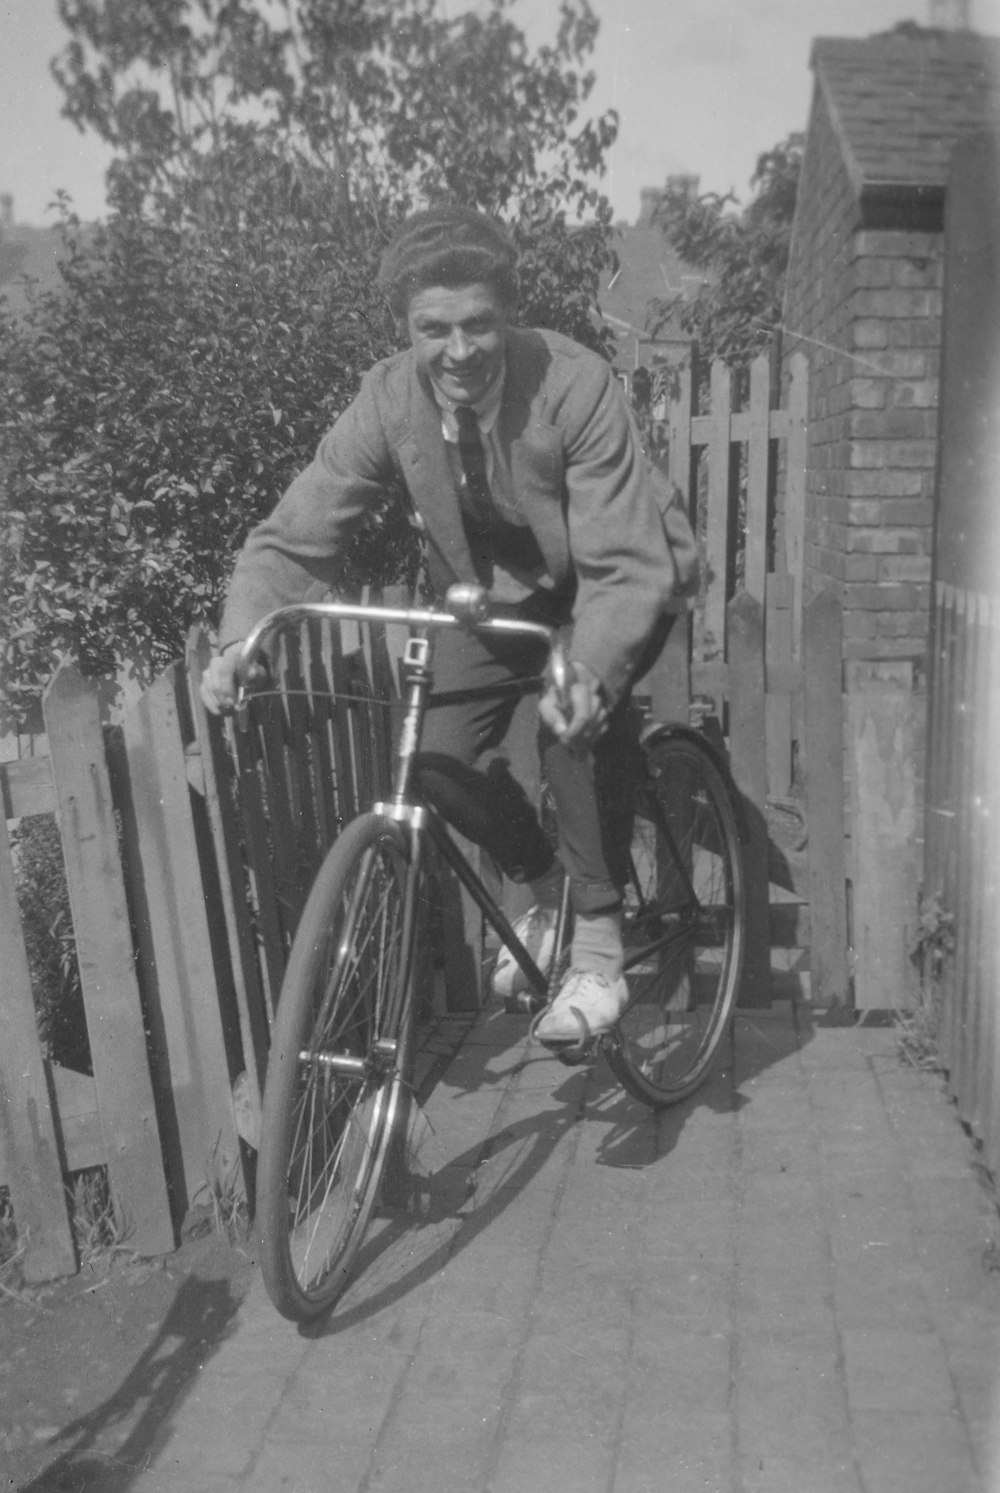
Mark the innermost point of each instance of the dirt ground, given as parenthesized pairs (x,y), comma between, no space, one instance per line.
(90,1366)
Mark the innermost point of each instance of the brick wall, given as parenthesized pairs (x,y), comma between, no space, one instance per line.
(865,307)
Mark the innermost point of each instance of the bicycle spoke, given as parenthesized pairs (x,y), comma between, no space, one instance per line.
(683,924)
(332,1099)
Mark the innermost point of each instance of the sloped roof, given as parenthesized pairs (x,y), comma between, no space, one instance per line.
(899,102)
(647,270)
(28,253)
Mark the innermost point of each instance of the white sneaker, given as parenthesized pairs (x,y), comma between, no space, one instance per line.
(587,1005)
(536,929)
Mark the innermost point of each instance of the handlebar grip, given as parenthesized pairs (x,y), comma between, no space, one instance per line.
(560,674)
(468,601)
(253,674)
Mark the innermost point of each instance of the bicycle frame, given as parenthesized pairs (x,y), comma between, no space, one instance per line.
(468,608)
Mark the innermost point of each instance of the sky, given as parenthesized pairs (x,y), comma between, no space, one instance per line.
(702,86)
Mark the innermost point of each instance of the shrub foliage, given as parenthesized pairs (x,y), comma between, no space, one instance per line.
(207,333)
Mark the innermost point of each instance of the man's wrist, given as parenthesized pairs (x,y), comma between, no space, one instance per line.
(585,674)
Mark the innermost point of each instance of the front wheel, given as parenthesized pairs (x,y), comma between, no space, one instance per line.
(335,1081)
(685,921)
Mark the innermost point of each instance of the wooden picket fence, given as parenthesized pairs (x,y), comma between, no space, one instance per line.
(190,845)
(962,855)
(764,663)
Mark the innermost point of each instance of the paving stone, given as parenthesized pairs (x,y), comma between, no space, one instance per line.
(894,1369)
(915,1453)
(164,1479)
(774,1473)
(685,1369)
(875,1289)
(778,1287)
(335,1388)
(680,1450)
(336,1462)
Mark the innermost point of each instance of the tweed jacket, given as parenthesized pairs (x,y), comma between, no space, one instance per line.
(606,522)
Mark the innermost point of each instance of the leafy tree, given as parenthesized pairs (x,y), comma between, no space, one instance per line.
(744,255)
(396,103)
(159,406)
(207,334)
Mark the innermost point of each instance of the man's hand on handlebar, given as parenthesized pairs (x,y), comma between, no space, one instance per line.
(218,683)
(579,717)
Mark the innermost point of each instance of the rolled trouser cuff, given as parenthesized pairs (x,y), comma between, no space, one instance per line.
(589,897)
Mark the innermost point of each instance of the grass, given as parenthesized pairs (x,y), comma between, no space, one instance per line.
(99,1226)
(9,1247)
(917,1031)
(918,1027)
(222,1194)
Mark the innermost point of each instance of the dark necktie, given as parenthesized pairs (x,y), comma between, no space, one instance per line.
(473,459)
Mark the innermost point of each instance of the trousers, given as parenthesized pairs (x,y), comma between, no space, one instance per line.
(479,680)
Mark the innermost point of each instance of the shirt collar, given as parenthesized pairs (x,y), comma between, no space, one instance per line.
(487,408)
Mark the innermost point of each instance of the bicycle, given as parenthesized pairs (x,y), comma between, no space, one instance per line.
(338,1076)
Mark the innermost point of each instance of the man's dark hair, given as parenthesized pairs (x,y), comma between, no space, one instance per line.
(448,245)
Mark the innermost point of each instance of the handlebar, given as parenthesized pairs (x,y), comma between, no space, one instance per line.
(467,606)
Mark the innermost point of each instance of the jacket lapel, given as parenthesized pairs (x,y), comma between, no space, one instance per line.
(536,469)
(536,459)
(427,474)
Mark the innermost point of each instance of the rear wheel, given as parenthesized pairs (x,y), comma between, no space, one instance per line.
(335,1091)
(684,922)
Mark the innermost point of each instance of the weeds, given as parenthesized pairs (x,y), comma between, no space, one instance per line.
(9,1246)
(917,1030)
(918,1026)
(98,1224)
(222,1193)
(47,924)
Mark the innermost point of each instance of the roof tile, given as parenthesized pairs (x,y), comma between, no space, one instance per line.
(899,102)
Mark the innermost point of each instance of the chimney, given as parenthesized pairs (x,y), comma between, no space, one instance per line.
(649,201)
(6,212)
(684,184)
(949,15)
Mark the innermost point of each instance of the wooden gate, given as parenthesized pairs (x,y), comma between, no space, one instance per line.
(189,845)
(960,931)
(737,657)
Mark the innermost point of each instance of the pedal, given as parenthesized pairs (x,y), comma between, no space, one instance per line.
(577,1056)
(523,1003)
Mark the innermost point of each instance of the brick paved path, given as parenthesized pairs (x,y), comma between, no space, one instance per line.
(783,1286)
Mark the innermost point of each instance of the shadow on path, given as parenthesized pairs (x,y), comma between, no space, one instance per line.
(93,1459)
(472,1189)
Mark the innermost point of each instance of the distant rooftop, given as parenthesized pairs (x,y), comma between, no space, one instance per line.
(900,101)
(25,253)
(648,269)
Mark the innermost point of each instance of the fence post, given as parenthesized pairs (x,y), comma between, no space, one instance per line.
(758,468)
(747,747)
(717,535)
(795,489)
(29,1152)
(105,955)
(196,1084)
(247,984)
(824,744)
(883,818)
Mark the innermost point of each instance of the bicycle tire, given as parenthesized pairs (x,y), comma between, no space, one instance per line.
(685,921)
(326,1132)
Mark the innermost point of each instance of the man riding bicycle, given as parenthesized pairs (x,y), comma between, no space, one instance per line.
(523,464)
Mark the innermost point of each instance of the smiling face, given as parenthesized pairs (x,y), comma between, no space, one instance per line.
(458,334)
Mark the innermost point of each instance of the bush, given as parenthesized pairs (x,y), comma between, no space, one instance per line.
(47,923)
(156,409)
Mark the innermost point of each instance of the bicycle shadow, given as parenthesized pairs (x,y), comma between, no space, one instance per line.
(93,1460)
(448,1206)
